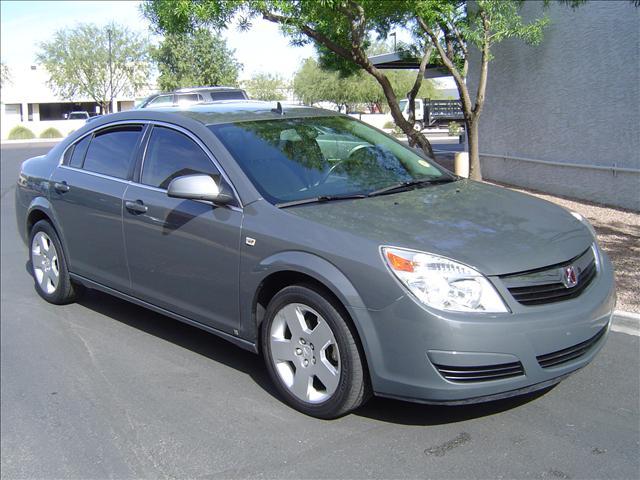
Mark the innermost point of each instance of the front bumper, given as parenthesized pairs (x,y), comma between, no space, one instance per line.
(405,341)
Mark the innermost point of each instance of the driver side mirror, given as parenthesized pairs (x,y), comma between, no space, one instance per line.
(200,187)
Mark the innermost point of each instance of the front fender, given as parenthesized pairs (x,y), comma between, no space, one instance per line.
(316,267)
(313,266)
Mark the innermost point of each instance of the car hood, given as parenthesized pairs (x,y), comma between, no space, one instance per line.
(494,229)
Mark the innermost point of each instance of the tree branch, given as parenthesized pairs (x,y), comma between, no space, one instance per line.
(411,95)
(448,62)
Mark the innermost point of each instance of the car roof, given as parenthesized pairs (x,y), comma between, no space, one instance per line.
(221,111)
(205,89)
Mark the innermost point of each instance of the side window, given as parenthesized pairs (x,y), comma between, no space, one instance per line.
(171,154)
(188,98)
(161,101)
(111,151)
(74,156)
(228,95)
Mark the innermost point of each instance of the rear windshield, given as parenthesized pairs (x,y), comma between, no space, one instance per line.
(298,158)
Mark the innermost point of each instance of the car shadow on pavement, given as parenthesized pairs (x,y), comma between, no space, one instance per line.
(417,414)
(186,336)
(222,351)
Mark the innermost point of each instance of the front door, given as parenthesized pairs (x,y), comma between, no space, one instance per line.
(183,255)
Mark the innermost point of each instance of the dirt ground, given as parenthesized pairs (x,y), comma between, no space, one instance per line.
(619,235)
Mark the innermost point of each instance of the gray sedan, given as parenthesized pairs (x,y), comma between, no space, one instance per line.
(353,264)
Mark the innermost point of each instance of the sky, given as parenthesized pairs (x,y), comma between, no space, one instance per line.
(25,24)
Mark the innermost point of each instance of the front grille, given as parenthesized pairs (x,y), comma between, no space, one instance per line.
(567,354)
(480,373)
(545,285)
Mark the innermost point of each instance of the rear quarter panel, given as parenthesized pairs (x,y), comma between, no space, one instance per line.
(32,189)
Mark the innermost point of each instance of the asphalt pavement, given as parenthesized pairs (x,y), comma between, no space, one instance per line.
(105,389)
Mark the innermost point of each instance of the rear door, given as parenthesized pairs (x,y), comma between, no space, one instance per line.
(183,255)
(87,191)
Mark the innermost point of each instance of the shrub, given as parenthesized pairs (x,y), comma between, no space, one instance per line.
(51,133)
(454,129)
(20,133)
(389,125)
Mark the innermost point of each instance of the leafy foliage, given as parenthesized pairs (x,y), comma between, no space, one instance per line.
(195,58)
(344,30)
(5,75)
(20,133)
(81,64)
(266,86)
(51,133)
(312,84)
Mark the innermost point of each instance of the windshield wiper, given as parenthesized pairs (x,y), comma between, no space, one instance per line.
(409,185)
(319,199)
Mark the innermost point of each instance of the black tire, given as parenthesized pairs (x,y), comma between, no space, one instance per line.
(353,386)
(65,291)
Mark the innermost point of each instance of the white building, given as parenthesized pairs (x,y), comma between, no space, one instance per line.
(26,99)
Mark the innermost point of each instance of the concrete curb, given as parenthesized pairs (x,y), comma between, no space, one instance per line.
(626,322)
(31,140)
(628,315)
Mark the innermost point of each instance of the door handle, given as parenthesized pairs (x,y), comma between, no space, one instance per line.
(136,207)
(61,187)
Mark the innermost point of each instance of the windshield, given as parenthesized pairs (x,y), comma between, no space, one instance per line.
(300,158)
(78,115)
(402,104)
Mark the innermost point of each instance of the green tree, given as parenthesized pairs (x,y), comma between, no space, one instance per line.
(312,84)
(343,30)
(195,58)
(96,62)
(266,86)
(452,28)
(5,75)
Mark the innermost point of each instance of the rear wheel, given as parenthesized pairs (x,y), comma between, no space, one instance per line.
(312,354)
(48,265)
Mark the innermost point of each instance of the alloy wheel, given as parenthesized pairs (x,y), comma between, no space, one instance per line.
(305,353)
(44,258)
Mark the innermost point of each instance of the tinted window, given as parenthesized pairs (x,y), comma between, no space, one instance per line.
(75,155)
(171,154)
(111,151)
(188,98)
(228,95)
(161,100)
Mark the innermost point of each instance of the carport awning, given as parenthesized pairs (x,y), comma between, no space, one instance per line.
(405,61)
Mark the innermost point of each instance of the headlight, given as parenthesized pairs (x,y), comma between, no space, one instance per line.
(442,283)
(585,222)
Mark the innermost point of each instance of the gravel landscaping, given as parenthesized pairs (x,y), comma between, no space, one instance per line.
(619,235)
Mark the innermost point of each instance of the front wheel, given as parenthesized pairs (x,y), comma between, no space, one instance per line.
(312,355)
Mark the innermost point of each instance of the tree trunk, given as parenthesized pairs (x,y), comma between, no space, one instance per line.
(414,137)
(474,153)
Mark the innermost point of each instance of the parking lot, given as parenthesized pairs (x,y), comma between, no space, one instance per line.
(106,389)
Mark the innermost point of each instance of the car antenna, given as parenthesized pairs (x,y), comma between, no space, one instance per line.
(278,109)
